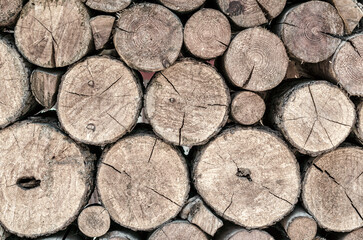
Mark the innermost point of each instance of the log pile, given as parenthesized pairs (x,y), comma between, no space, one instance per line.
(170,119)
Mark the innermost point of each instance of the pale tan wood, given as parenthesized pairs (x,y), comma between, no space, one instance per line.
(148,37)
(314,116)
(332,187)
(207,33)
(99,100)
(350,12)
(354,235)
(120,235)
(248,176)
(53,33)
(101,26)
(178,230)
(142,181)
(94,221)
(108,5)
(238,233)
(256,60)
(187,103)
(182,6)
(9,11)
(198,214)
(46,179)
(247,108)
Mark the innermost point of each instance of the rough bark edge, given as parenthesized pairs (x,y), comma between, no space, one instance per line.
(184,12)
(171,221)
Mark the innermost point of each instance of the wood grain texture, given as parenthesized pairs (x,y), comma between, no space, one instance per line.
(94,221)
(350,12)
(238,233)
(354,235)
(101,26)
(182,6)
(109,6)
(247,108)
(178,230)
(9,11)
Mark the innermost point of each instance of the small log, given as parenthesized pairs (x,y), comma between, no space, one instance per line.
(46,178)
(44,85)
(198,214)
(109,6)
(101,26)
(299,225)
(16,99)
(207,34)
(187,103)
(94,221)
(238,233)
(179,230)
(120,235)
(314,116)
(142,181)
(311,31)
(53,33)
(256,60)
(333,187)
(355,235)
(248,176)
(148,37)
(247,108)
(184,6)
(99,100)
(350,12)
(251,13)
(9,11)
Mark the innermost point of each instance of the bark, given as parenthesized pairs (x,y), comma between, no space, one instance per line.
(247,108)
(181,230)
(101,26)
(238,233)
(94,221)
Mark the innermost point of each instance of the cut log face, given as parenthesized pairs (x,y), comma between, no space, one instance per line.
(355,235)
(187,103)
(99,100)
(256,60)
(15,95)
(309,29)
(250,13)
(120,235)
(178,230)
(148,37)
(94,221)
(101,29)
(53,33)
(247,108)
(108,5)
(46,178)
(315,116)
(350,12)
(207,34)
(142,181)
(332,187)
(248,176)
(9,11)
(238,233)
(182,6)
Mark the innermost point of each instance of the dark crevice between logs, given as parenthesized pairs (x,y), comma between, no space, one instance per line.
(28,183)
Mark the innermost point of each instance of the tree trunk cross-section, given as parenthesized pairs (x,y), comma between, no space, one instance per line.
(142,181)
(108,5)
(182,6)
(94,221)
(333,186)
(256,60)
(187,103)
(178,230)
(148,37)
(53,33)
(238,233)
(9,11)
(45,178)
(101,29)
(248,176)
(314,116)
(247,108)
(99,100)
(250,13)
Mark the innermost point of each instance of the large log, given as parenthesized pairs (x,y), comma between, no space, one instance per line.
(187,103)
(46,179)
(248,176)
(148,37)
(332,187)
(142,181)
(99,100)
(9,11)
(247,108)
(94,221)
(53,33)
(109,6)
(178,230)
(238,233)
(184,6)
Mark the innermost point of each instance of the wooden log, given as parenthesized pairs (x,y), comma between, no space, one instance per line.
(53,33)
(238,233)
(148,37)
(44,85)
(354,235)
(63,235)
(256,60)
(101,26)
(109,6)
(350,12)
(46,179)
(332,187)
(99,100)
(299,225)
(247,108)
(248,176)
(120,235)
(187,103)
(16,99)
(198,214)
(179,230)
(311,31)
(358,127)
(314,116)
(94,221)
(184,6)
(251,13)
(142,181)
(9,11)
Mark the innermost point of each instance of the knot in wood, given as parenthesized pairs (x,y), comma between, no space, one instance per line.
(91,83)
(244,173)
(91,127)
(27,183)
